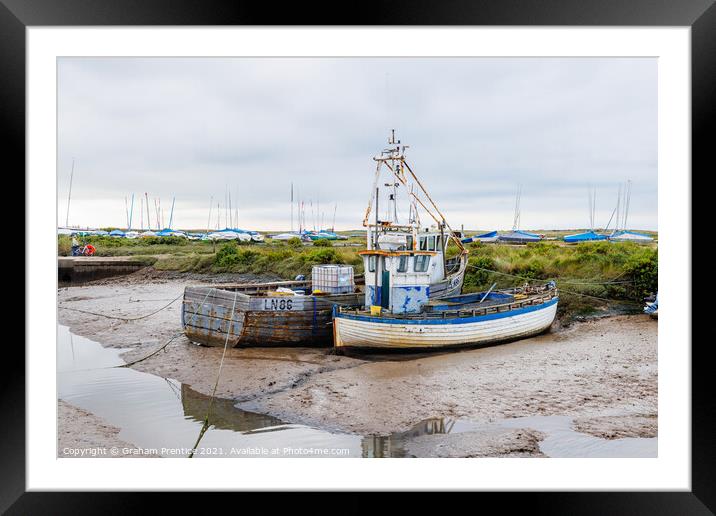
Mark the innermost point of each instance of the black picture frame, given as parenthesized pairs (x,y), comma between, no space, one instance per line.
(700,15)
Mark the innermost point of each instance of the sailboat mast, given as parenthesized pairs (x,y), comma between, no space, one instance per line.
(208,222)
(171,214)
(69,194)
(627,202)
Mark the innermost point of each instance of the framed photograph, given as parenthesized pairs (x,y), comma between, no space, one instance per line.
(411,253)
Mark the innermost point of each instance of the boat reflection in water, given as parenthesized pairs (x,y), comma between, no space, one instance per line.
(393,445)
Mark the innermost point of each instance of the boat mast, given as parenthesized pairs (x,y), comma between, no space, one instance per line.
(69,194)
(149,220)
(171,214)
(208,222)
(131,212)
(394,159)
(518,199)
(627,202)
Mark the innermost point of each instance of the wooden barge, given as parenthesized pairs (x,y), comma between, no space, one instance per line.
(258,315)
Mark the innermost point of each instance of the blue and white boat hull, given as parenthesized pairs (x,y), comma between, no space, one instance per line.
(351,330)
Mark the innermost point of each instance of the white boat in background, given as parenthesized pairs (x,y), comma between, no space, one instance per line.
(486,238)
(285,236)
(652,308)
(631,236)
(229,234)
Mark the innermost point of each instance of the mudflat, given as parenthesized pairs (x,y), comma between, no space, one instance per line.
(601,373)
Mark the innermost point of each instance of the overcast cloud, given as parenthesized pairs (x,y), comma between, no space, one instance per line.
(477,127)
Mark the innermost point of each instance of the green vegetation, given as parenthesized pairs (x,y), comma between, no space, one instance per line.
(110,246)
(622,271)
(284,260)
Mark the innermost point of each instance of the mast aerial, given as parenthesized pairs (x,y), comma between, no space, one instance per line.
(393,158)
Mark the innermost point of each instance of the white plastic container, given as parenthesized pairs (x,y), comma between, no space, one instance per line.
(333,279)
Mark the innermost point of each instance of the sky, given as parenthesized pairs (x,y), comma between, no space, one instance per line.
(190,128)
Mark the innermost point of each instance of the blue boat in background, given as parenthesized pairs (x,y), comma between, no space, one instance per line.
(588,236)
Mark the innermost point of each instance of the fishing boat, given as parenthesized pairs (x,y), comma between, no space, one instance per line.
(405,308)
(266,314)
(399,247)
(483,318)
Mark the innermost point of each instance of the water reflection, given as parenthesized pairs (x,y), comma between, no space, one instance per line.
(163,414)
(394,445)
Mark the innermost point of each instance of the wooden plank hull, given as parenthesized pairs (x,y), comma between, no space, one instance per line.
(213,316)
(366,332)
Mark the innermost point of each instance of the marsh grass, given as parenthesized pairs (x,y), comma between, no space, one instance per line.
(622,271)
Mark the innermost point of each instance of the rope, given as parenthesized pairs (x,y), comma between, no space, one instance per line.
(127,319)
(205,426)
(152,353)
(170,340)
(611,282)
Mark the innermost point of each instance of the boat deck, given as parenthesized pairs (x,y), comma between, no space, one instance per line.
(504,301)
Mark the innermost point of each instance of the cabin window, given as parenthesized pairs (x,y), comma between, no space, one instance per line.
(409,242)
(421,262)
(403,264)
(423,243)
(431,243)
(371,263)
(438,243)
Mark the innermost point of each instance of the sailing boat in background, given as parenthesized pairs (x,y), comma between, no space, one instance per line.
(623,235)
(590,235)
(517,236)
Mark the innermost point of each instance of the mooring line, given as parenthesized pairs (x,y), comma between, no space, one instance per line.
(122,318)
(611,282)
(205,426)
(171,339)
